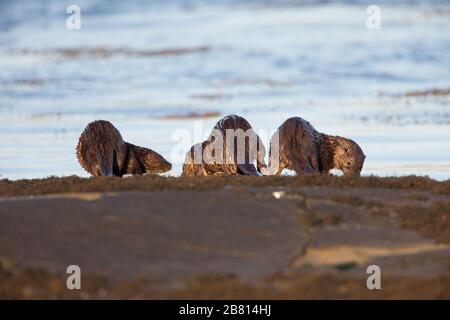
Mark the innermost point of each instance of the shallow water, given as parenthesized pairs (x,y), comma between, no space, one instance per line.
(136,63)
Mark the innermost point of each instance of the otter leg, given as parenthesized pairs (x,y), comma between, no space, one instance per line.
(276,166)
(260,162)
(194,170)
(275,169)
(121,160)
(279,169)
(95,171)
(134,166)
(301,170)
(105,167)
(106,171)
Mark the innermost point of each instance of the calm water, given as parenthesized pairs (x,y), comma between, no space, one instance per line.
(265,60)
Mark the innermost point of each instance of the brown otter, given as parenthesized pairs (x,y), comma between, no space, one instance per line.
(102,152)
(231,148)
(303,149)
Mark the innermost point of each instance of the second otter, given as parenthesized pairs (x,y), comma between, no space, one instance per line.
(231,149)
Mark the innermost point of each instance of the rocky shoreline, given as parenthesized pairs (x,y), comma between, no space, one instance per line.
(160,237)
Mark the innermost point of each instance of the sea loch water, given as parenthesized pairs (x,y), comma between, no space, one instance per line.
(144,65)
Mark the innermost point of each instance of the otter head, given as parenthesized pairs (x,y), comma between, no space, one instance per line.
(147,161)
(153,162)
(348,157)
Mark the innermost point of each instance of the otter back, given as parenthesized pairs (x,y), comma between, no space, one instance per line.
(101,150)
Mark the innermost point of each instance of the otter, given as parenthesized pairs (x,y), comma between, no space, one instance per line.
(101,151)
(207,162)
(305,150)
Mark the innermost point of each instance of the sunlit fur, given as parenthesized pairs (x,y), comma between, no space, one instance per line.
(101,151)
(305,150)
(143,160)
(210,167)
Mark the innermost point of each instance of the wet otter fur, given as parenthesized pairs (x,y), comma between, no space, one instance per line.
(101,151)
(230,165)
(305,150)
(208,166)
